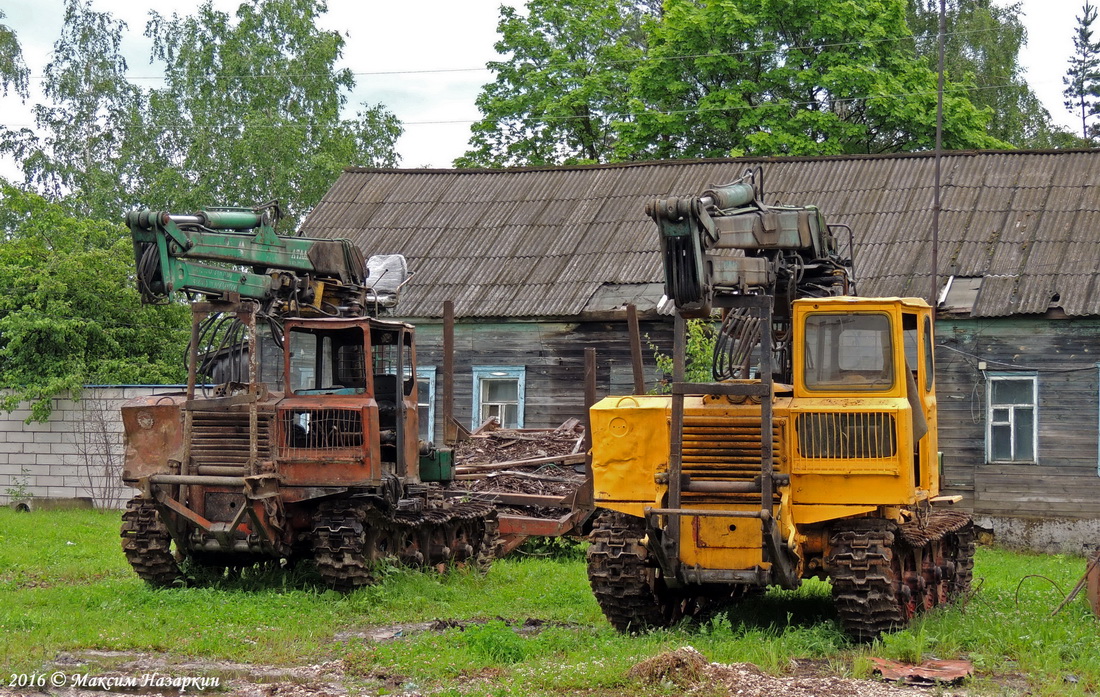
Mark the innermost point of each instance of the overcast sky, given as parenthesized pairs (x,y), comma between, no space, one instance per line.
(425,59)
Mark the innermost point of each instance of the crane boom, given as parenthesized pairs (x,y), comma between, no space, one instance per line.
(227,252)
(727,243)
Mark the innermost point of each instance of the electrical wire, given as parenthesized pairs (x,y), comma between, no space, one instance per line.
(1037,369)
(590,63)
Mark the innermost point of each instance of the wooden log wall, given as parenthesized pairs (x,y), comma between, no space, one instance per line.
(552,354)
(1063,353)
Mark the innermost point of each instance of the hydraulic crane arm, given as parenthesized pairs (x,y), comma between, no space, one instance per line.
(779,246)
(727,243)
(225,252)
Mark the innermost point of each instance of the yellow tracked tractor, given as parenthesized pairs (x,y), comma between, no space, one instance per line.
(813,452)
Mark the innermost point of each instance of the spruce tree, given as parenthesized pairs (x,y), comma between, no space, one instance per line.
(1082,80)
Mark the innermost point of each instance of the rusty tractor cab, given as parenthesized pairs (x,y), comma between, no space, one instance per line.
(297,435)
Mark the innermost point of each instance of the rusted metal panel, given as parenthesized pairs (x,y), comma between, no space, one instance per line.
(525,525)
(153,435)
(929,673)
(1092,582)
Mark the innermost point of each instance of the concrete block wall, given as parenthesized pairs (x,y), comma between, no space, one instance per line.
(77,452)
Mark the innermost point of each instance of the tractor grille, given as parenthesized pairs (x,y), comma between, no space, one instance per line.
(322,429)
(846,435)
(726,449)
(220,441)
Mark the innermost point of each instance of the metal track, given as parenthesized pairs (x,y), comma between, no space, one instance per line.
(865,585)
(147,544)
(883,574)
(339,546)
(351,536)
(959,545)
(629,587)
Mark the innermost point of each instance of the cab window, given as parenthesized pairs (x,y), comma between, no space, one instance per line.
(849,351)
(327,361)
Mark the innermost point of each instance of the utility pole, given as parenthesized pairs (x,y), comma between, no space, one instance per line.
(932,297)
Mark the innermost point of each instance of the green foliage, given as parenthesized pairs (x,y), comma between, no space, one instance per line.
(562,548)
(86,148)
(613,80)
(69,312)
(699,355)
(13,71)
(496,642)
(982,47)
(555,98)
(1082,79)
(251,110)
(64,587)
(789,77)
(18,490)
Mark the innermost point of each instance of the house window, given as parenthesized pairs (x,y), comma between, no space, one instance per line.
(498,393)
(425,401)
(1011,426)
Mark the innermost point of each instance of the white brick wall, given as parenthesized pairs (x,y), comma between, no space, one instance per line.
(78,452)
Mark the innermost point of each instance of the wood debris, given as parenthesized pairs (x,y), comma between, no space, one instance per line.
(545,462)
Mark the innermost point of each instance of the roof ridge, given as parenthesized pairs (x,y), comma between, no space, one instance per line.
(714,160)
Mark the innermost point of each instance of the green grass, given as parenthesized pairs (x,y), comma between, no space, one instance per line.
(65,587)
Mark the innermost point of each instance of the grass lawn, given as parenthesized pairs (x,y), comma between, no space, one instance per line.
(66,588)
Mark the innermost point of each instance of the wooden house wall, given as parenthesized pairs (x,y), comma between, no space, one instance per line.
(1063,353)
(552,354)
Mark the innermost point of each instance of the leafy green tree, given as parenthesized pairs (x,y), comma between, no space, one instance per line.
(789,77)
(13,71)
(565,82)
(86,127)
(1082,79)
(982,47)
(251,109)
(70,314)
(700,336)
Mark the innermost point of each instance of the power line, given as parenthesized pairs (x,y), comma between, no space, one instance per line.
(676,112)
(1037,369)
(641,59)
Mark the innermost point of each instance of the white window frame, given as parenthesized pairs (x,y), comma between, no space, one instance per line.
(992,378)
(498,372)
(427,372)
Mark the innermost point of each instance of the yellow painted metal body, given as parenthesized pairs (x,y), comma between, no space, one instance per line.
(868,447)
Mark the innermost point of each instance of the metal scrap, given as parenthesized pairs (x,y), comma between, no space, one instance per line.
(541,465)
(927,674)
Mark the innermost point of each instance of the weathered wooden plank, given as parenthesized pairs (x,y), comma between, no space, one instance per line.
(1071,487)
(551,353)
(1024,471)
(1043,510)
(1085,499)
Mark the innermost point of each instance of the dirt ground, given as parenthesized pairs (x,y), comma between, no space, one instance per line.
(96,673)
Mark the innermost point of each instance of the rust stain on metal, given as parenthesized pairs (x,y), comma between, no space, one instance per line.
(928,673)
(1093,582)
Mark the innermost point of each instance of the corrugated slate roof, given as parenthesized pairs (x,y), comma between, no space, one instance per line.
(541,242)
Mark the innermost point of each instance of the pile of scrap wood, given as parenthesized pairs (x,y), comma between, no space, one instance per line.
(533,475)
